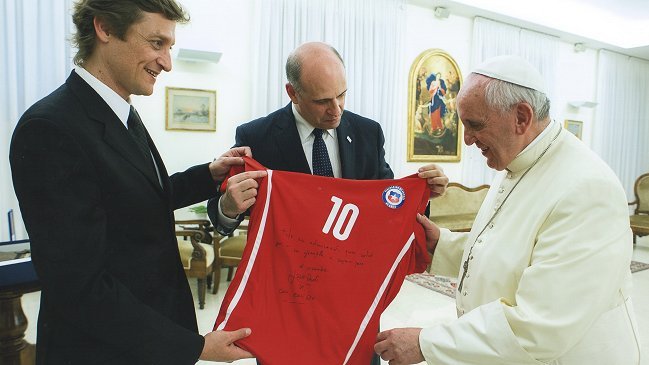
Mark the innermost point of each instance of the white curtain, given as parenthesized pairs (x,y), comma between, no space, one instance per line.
(621,127)
(35,60)
(490,39)
(367,34)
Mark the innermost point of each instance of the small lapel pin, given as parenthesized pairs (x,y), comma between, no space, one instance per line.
(349,139)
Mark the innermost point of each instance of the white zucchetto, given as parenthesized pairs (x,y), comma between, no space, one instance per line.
(513,69)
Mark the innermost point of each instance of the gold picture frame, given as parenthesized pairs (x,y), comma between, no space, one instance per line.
(574,126)
(434,128)
(190,109)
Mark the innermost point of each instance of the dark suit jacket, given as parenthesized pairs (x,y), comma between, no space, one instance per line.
(102,235)
(275,143)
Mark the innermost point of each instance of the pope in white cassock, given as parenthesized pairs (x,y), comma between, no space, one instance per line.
(543,276)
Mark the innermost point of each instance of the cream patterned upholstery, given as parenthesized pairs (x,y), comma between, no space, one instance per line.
(185,247)
(639,220)
(457,208)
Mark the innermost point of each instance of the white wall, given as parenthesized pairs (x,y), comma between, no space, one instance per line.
(576,81)
(452,35)
(576,78)
(227,26)
(223,26)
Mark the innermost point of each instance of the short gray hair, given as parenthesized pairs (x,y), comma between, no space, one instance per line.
(294,67)
(502,96)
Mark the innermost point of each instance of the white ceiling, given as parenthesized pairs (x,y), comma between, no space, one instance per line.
(617,25)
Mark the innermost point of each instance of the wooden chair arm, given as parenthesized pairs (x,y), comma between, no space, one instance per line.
(203,224)
(466,188)
(195,237)
(197,224)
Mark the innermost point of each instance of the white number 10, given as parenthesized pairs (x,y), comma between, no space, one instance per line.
(347,209)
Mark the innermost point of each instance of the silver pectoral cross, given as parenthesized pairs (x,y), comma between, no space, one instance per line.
(465,266)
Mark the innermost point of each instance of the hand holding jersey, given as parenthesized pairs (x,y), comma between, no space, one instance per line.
(294,270)
(240,193)
(220,167)
(435,177)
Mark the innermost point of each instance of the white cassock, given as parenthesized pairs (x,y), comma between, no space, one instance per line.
(548,279)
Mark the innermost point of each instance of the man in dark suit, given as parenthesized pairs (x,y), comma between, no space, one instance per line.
(98,204)
(284,139)
(288,139)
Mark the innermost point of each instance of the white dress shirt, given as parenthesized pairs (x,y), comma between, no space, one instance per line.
(305,130)
(117,104)
(306,139)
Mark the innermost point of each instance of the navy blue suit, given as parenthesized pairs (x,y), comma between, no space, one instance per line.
(275,143)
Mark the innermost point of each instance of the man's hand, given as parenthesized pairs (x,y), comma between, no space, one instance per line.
(240,193)
(220,167)
(219,346)
(399,346)
(435,177)
(431,230)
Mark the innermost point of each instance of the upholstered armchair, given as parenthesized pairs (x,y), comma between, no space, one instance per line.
(639,220)
(229,250)
(197,259)
(458,207)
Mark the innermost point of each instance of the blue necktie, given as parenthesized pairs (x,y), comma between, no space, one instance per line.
(320,157)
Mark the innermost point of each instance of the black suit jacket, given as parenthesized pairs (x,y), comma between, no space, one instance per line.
(102,235)
(275,143)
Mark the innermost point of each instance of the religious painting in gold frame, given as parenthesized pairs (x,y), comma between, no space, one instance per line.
(434,128)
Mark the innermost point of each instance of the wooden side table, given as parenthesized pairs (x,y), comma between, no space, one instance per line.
(17,277)
(14,350)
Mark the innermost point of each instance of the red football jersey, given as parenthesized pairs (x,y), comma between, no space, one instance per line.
(324,257)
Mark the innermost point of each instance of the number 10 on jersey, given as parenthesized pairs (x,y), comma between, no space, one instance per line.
(348,211)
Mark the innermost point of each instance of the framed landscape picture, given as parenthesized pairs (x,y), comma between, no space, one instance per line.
(190,109)
(574,127)
(434,129)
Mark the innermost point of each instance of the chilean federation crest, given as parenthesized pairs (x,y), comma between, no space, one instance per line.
(394,196)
